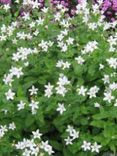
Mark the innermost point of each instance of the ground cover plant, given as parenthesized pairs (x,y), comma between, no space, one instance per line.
(58,80)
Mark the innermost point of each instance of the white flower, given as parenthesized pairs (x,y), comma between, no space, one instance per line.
(27,2)
(29,36)
(69,128)
(106,79)
(3,28)
(3,129)
(26,153)
(57,16)
(16,57)
(66,65)
(36,33)
(21,105)
(80,60)
(108,97)
(95,147)
(33,90)
(74,134)
(60,37)
(35,151)
(68,141)
(86,145)
(35,4)
(17,1)
(70,41)
(97,105)
(112,40)
(113,86)
(12,126)
(82,91)
(61,108)
(59,63)
(48,90)
(92,26)
(26,64)
(112,62)
(8,79)
(63,80)
(45,10)
(47,148)
(65,32)
(62,64)
(36,134)
(6,7)
(92,91)
(10,95)
(115,104)
(44,45)
(34,106)
(3,37)
(21,35)
(16,71)
(61,90)
(101,66)
(64,48)
(65,23)
(26,16)
(90,47)
(40,21)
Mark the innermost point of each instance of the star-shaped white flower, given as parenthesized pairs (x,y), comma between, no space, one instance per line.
(33,90)
(36,134)
(108,97)
(95,147)
(10,95)
(82,91)
(61,108)
(86,145)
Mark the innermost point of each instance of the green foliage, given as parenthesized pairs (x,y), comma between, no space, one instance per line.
(92,115)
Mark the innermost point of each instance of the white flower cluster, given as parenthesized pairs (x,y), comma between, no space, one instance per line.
(47,148)
(112,62)
(64,42)
(48,90)
(73,134)
(28,147)
(63,65)
(14,71)
(6,32)
(92,91)
(86,146)
(23,53)
(112,40)
(62,82)
(90,47)
(44,45)
(32,147)
(5,128)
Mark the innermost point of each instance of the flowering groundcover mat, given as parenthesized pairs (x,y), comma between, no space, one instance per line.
(58,80)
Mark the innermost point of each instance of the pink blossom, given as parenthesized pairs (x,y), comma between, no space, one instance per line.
(106,5)
(5,1)
(114,5)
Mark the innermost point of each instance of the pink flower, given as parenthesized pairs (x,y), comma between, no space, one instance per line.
(114,5)
(81,1)
(106,5)
(5,1)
